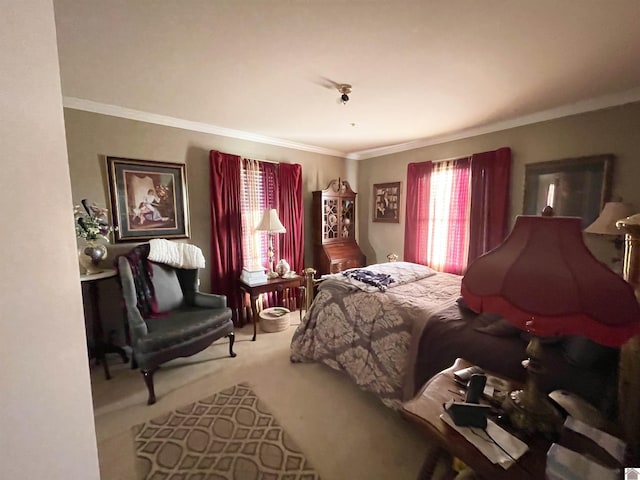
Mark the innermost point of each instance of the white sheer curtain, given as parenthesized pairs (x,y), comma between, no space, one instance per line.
(252,205)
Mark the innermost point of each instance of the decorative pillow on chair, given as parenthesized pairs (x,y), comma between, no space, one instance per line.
(167,288)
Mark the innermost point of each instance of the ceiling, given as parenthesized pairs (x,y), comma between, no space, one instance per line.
(422,71)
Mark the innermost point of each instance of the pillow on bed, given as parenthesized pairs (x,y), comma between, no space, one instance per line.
(491,323)
(462,304)
(584,353)
(498,326)
(552,340)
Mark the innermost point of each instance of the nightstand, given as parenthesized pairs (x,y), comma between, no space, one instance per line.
(424,412)
(279,284)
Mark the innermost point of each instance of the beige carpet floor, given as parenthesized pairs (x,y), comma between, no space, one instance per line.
(345,433)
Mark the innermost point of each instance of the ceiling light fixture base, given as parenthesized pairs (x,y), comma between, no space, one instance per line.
(345,90)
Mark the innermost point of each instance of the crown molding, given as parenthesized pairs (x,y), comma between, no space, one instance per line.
(584,106)
(131,114)
(599,103)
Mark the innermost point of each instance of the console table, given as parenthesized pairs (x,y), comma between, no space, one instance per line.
(100,346)
(271,285)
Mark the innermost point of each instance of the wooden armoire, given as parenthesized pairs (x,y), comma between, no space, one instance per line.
(334,225)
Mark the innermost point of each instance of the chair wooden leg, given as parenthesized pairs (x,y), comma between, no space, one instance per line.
(232,338)
(148,380)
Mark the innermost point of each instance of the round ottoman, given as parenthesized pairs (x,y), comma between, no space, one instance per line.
(274,319)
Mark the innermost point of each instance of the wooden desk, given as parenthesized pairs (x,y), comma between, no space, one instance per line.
(271,285)
(429,401)
(100,346)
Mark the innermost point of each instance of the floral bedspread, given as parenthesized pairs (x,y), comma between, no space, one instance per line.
(373,337)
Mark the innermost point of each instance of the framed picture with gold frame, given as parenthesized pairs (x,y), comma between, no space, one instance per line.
(386,202)
(148,199)
(574,187)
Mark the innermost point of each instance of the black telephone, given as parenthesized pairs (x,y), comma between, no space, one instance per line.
(475,387)
(470,413)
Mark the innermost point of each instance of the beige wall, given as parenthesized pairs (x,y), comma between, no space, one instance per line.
(614,130)
(91,137)
(46,416)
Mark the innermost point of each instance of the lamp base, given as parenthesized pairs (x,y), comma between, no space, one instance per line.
(272,274)
(532,412)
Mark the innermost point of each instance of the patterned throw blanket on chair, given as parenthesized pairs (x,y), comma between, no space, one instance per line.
(142,273)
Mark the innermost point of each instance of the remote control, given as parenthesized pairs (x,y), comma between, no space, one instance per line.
(463,376)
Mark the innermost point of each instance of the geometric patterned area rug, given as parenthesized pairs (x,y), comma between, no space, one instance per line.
(230,435)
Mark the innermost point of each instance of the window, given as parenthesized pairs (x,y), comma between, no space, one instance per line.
(456,210)
(281,186)
(258,193)
(448,220)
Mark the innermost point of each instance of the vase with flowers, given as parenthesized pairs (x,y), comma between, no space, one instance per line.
(92,229)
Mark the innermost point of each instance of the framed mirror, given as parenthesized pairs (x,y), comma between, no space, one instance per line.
(574,187)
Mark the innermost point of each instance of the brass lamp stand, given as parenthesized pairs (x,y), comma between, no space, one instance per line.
(528,409)
(631,263)
(629,373)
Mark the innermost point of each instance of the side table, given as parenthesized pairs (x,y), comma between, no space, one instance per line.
(271,285)
(424,412)
(100,346)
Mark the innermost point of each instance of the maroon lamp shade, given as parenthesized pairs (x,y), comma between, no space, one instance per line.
(544,279)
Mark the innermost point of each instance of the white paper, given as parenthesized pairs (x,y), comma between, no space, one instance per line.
(614,446)
(476,436)
(565,464)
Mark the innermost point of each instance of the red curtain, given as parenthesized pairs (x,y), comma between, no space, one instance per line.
(489,206)
(291,213)
(490,174)
(226,228)
(416,218)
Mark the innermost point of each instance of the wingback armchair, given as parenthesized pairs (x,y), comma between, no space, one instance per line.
(167,316)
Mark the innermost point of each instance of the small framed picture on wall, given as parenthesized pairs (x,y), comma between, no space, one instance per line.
(386,202)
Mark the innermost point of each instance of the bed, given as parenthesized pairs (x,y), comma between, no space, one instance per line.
(392,326)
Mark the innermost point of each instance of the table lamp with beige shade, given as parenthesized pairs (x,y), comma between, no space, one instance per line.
(544,280)
(271,224)
(605,225)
